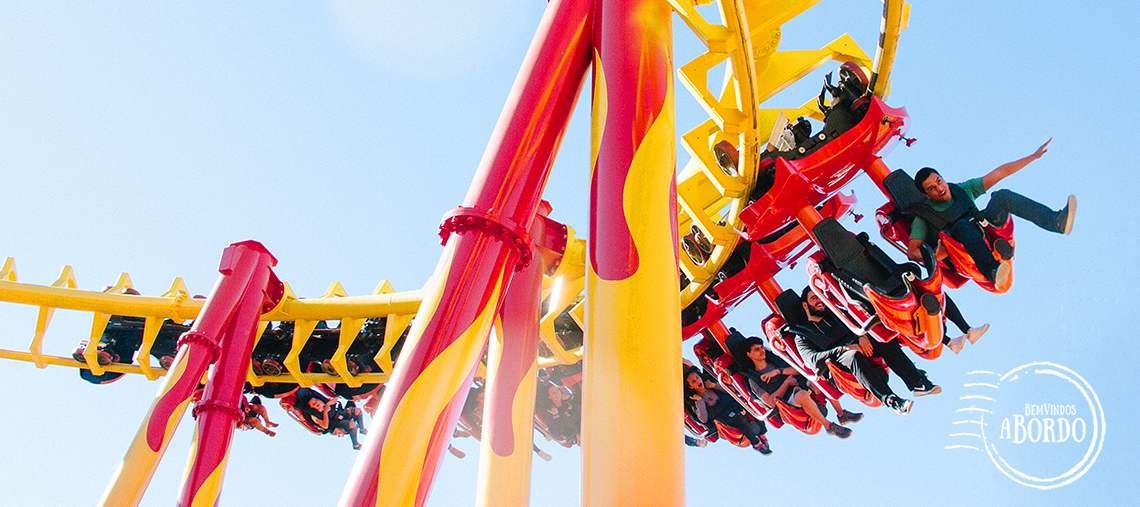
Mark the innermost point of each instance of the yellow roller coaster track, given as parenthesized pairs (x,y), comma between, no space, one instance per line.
(709,199)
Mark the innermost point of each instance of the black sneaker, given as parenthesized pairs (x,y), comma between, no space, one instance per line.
(762,447)
(848,417)
(837,430)
(925,389)
(1003,248)
(898,404)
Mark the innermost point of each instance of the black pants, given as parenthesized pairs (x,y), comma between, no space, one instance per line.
(737,419)
(870,375)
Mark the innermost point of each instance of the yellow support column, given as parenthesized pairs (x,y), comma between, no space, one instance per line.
(632,441)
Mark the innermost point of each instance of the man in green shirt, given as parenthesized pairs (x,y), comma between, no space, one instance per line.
(950,207)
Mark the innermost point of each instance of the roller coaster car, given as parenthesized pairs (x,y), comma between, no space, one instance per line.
(857,279)
(564,379)
(123,337)
(750,262)
(791,309)
(543,425)
(737,386)
(348,392)
(855,130)
(720,430)
(289,403)
(784,344)
(894,220)
(274,389)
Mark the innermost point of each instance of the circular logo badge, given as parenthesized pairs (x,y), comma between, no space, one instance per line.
(1042,424)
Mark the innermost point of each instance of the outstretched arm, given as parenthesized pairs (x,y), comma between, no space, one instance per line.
(996,175)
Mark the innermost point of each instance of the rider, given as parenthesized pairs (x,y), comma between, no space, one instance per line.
(950,207)
(707,403)
(823,338)
(770,378)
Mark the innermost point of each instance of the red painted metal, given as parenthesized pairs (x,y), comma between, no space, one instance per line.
(764,261)
(897,232)
(506,190)
(813,179)
(965,264)
(634,62)
(519,318)
(246,288)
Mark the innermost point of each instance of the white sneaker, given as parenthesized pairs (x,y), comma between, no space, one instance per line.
(956,344)
(976,332)
(1072,213)
(1003,275)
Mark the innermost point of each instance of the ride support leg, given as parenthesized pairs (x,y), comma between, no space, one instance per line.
(632,425)
(508,414)
(196,351)
(219,411)
(485,242)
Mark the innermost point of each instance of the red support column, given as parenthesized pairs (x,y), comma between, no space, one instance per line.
(878,171)
(508,416)
(220,408)
(770,290)
(243,265)
(485,243)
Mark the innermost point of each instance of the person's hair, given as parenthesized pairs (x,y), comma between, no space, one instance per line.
(740,356)
(255,401)
(689,370)
(921,176)
(804,293)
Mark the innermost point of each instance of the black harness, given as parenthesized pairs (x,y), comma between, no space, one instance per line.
(963,207)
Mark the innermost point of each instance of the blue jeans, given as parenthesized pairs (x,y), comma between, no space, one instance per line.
(1002,204)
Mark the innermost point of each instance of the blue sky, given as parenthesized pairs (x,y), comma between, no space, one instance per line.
(145,138)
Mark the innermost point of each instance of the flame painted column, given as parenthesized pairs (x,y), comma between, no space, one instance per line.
(197,349)
(485,242)
(508,417)
(219,411)
(632,436)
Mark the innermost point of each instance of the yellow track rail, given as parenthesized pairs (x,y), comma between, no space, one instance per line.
(746,39)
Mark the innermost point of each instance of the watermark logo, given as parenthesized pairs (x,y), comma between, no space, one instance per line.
(1041,424)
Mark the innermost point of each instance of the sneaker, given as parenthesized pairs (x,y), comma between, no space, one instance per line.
(848,417)
(837,430)
(976,333)
(1003,248)
(1002,275)
(898,404)
(956,344)
(763,446)
(925,389)
(1069,213)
